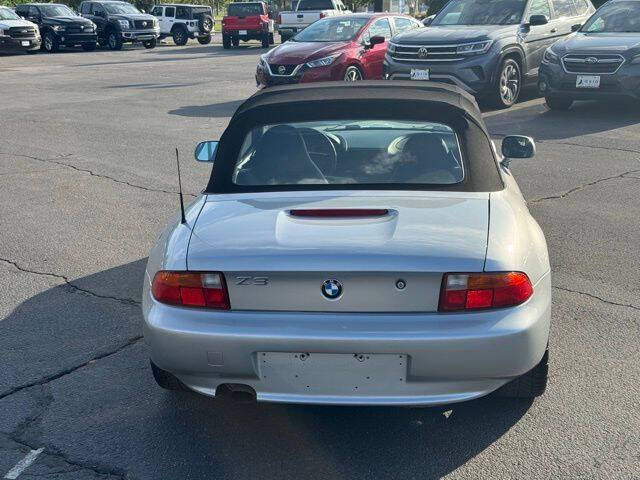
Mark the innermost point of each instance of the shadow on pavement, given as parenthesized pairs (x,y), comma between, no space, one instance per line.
(109,412)
(214,110)
(583,118)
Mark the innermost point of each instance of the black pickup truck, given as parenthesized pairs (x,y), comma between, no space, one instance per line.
(59,26)
(120,22)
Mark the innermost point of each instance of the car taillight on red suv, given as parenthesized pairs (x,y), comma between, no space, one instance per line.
(279,19)
(191,289)
(474,291)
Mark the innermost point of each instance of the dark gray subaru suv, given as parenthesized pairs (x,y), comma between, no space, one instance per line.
(599,61)
(488,47)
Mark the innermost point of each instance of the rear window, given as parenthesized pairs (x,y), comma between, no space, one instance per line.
(315,5)
(348,152)
(244,9)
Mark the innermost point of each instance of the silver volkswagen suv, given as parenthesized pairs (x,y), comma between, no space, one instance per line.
(490,48)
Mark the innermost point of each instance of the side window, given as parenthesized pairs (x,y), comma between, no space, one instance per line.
(403,24)
(380,28)
(564,8)
(85,8)
(540,7)
(582,7)
(156,12)
(33,12)
(21,11)
(182,13)
(170,12)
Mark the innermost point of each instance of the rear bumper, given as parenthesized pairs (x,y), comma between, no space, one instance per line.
(449,357)
(553,81)
(16,44)
(249,35)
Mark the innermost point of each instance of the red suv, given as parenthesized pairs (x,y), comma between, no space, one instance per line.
(247,21)
(346,47)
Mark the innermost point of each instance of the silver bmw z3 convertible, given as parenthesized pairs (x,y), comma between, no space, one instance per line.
(357,244)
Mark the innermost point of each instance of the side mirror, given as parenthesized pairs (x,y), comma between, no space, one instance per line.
(375,40)
(206,151)
(427,21)
(576,27)
(142,10)
(517,146)
(538,20)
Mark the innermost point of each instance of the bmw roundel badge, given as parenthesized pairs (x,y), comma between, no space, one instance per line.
(331,289)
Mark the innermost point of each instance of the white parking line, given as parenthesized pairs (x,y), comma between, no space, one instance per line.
(22,465)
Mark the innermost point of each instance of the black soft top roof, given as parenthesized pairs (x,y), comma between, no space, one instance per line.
(367,100)
(423,95)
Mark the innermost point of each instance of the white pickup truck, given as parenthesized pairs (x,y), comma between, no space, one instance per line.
(307,12)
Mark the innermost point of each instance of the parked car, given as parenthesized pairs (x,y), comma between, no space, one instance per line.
(247,21)
(600,60)
(120,22)
(182,22)
(305,13)
(346,47)
(59,26)
(17,34)
(488,47)
(343,253)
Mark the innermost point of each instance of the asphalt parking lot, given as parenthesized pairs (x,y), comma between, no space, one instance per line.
(87,182)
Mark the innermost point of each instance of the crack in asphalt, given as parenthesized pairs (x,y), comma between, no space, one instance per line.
(608,302)
(69,283)
(100,470)
(582,187)
(93,174)
(70,370)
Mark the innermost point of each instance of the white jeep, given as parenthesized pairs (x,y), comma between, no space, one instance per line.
(183,22)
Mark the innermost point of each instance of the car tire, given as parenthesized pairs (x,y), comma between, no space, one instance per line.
(530,385)
(271,39)
(180,37)
(102,42)
(167,380)
(50,43)
(114,42)
(226,41)
(557,103)
(353,74)
(235,41)
(508,84)
(205,24)
(204,40)
(265,40)
(149,44)
(89,47)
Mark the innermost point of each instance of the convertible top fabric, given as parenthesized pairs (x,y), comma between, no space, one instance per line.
(367,100)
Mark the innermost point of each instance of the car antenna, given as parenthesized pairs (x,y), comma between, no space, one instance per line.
(182,218)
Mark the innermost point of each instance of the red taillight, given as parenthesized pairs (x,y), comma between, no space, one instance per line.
(191,289)
(322,14)
(473,291)
(339,212)
(279,19)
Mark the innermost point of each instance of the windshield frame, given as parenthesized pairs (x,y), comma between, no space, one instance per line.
(109,7)
(10,12)
(450,5)
(337,18)
(599,13)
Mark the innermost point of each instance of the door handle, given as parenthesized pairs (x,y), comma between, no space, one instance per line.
(554,30)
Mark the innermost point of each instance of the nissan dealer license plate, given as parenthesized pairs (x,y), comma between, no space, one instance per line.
(588,81)
(419,74)
(26,43)
(242,32)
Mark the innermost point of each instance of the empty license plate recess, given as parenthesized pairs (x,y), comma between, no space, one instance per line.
(331,373)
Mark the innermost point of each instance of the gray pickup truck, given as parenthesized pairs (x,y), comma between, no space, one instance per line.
(307,12)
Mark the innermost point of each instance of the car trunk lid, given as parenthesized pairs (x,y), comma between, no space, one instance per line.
(385,252)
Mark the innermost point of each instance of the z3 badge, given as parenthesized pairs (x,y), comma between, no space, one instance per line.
(245,281)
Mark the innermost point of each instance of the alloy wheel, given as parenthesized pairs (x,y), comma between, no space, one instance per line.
(48,43)
(112,41)
(352,75)
(509,84)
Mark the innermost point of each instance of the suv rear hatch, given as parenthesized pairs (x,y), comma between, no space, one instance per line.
(274,259)
(245,16)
